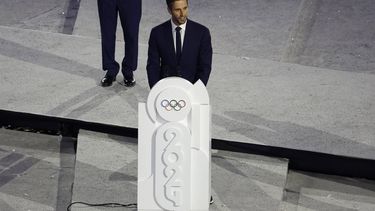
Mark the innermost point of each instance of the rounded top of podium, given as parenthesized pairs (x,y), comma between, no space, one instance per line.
(172,98)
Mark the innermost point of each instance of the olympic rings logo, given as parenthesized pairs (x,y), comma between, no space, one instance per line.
(173,104)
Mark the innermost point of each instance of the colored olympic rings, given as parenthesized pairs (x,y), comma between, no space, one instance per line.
(173,104)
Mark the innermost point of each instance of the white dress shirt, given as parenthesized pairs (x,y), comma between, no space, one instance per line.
(182,32)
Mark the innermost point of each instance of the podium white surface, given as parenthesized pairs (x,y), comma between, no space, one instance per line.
(174,147)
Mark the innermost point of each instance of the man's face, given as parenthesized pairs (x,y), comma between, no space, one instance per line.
(179,11)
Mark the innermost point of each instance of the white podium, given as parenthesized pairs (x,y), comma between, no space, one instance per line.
(174,147)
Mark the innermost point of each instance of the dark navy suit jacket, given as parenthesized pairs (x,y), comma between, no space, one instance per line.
(196,57)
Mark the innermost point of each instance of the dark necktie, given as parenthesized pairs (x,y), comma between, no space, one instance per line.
(178,44)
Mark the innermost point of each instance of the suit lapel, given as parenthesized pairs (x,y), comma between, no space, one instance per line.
(169,39)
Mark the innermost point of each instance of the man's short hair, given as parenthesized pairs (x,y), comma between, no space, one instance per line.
(169,2)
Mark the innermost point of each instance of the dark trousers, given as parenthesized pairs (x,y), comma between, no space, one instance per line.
(130,16)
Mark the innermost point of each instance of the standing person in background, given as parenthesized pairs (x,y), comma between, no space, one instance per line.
(179,47)
(130,16)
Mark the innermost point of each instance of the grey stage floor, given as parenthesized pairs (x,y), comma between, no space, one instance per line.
(259,91)
(41,172)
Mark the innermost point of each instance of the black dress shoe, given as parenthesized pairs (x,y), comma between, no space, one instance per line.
(107,81)
(129,82)
(211,200)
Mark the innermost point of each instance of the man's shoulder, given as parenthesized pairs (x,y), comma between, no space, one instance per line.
(197,25)
(162,26)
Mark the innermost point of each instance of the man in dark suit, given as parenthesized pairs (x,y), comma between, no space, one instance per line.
(130,16)
(179,47)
